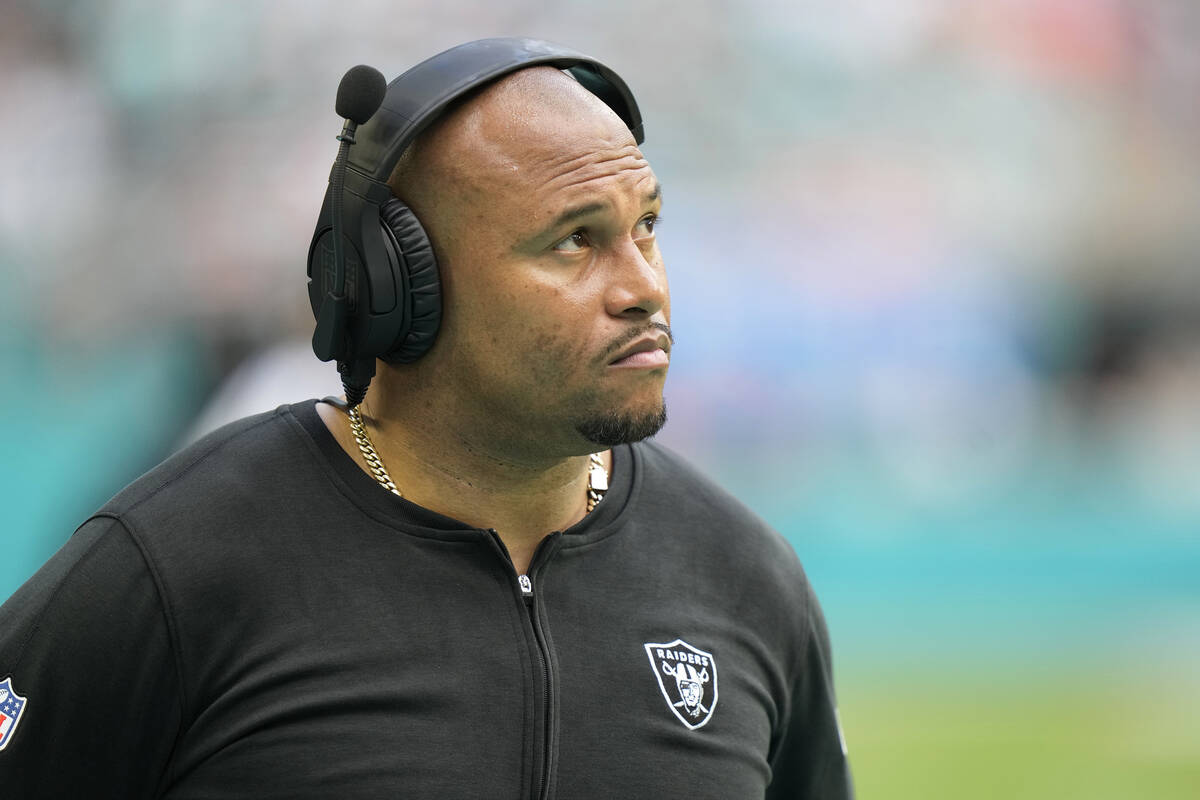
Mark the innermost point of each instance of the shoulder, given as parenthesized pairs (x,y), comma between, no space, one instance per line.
(234,458)
(248,482)
(692,509)
(220,523)
(670,475)
(669,480)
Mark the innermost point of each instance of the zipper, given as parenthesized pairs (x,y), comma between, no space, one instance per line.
(542,787)
(541,651)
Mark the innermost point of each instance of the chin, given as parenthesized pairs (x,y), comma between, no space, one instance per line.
(623,427)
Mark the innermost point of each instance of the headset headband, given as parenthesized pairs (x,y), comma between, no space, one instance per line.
(420,95)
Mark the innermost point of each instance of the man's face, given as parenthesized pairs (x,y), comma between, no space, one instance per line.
(551,271)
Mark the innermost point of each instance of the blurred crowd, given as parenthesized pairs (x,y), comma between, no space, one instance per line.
(941,251)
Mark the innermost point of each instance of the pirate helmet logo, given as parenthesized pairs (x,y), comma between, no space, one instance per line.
(687,678)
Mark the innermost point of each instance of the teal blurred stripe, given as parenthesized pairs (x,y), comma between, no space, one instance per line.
(76,426)
(1009,602)
(1069,560)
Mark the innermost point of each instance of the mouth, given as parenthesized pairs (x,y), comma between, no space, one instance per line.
(645,353)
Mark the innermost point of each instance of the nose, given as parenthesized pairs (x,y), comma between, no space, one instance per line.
(637,288)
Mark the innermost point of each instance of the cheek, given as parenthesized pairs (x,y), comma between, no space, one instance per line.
(550,351)
(536,333)
(513,325)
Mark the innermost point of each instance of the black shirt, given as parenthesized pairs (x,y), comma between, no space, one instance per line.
(256,618)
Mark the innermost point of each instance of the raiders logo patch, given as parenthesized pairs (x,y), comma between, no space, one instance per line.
(687,677)
(12,705)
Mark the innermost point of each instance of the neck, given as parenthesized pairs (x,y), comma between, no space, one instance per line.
(476,482)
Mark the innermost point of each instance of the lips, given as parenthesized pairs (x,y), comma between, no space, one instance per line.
(649,351)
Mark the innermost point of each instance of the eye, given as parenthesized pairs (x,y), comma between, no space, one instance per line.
(573,243)
(646,225)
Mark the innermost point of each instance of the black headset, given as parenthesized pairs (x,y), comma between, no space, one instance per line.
(375,290)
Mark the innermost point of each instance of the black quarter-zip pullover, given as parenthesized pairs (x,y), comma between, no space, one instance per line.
(256,618)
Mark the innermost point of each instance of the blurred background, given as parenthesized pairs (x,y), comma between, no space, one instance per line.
(935,292)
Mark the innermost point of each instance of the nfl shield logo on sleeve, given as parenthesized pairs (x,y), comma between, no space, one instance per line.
(687,678)
(12,705)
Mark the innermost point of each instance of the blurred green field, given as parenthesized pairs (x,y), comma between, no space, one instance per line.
(1027,735)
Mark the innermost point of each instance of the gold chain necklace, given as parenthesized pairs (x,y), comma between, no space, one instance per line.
(597,474)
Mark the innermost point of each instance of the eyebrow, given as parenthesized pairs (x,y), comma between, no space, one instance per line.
(577,212)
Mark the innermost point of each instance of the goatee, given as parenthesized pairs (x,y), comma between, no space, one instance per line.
(609,430)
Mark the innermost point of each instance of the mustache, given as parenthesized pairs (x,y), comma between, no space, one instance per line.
(637,333)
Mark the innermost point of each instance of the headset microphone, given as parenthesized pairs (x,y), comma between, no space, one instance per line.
(359,96)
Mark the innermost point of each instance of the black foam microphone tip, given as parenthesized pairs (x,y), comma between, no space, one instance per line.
(360,93)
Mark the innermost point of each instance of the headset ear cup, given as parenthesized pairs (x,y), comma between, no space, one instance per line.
(424,286)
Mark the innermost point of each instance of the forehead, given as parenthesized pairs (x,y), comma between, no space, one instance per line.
(569,169)
(539,141)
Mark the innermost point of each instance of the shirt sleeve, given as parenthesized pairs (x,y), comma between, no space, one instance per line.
(809,761)
(85,643)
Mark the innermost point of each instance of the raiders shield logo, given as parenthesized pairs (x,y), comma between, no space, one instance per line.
(687,677)
(12,705)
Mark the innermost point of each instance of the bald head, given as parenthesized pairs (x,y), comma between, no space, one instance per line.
(495,134)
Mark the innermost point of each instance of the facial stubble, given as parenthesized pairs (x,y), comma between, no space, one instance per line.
(614,428)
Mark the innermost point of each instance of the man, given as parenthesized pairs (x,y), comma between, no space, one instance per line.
(259,617)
